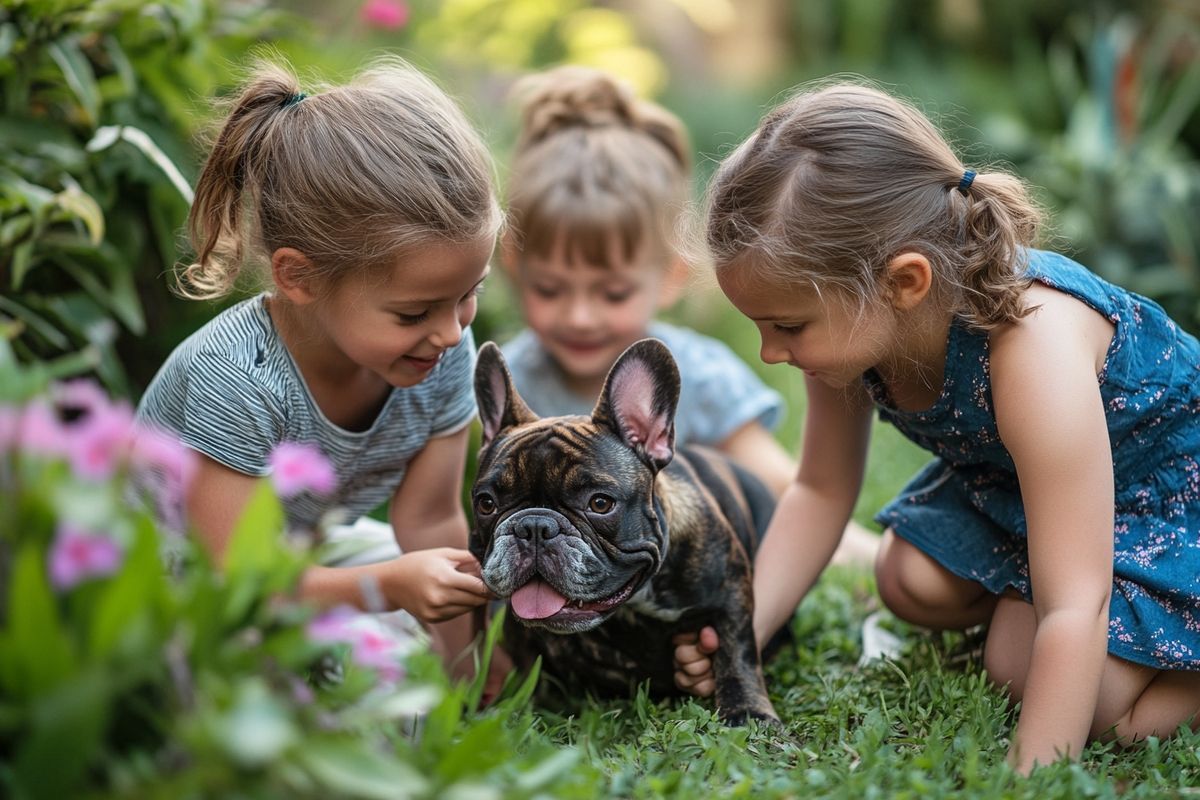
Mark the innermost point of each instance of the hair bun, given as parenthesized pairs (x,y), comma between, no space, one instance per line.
(573,96)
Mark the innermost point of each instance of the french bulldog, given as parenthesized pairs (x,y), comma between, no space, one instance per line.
(606,541)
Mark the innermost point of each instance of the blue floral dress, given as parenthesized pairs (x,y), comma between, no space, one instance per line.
(964,508)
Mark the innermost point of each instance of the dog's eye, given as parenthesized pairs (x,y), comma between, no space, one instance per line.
(601,504)
(484,504)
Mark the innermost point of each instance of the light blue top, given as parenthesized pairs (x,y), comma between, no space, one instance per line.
(964,509)
(719,392)
(232,392)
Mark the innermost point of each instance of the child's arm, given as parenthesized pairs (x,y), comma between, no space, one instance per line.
(753,447)
(812,512)
(806,527)
(426,512)
(218,495)
(1051,418)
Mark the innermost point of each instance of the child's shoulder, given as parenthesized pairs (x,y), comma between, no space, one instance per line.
(242,335)
(690,347)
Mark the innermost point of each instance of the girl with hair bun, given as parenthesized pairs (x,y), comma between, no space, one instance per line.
(371,210)
(598,181)
(1062,507)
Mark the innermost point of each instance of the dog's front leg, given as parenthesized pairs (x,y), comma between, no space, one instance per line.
(741,693)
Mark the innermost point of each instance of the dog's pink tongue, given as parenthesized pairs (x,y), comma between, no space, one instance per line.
(537,600)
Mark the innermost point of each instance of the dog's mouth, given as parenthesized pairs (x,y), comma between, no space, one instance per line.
(540,603)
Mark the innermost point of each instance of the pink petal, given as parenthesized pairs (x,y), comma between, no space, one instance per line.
(77,554)
(297,467)
(386,14)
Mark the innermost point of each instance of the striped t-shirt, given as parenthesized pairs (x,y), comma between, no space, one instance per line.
(232,392)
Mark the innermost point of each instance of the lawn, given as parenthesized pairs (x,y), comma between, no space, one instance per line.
(926,724)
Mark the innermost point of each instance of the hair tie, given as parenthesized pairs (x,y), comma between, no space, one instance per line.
(294,99)
(968,178)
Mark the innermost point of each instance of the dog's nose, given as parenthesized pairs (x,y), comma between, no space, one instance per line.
(536,527)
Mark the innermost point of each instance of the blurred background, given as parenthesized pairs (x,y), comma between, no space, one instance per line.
(104,105)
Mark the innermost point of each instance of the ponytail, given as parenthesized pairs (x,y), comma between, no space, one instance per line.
(999,222)
(216,223)
(353,177)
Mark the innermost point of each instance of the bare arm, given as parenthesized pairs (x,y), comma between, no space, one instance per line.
(812,512)
(1051,418)
(218,496)
(426,512)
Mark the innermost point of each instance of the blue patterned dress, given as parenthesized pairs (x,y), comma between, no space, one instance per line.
(964,508)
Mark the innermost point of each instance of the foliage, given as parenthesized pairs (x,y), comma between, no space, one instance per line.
(121,678)
(98,117)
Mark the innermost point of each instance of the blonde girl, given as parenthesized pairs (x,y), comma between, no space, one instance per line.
(371,207)
(1063,503)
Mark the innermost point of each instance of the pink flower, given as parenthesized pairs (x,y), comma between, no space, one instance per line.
(333,626)
(41,432)
(99,441)
(77,555)
(390,15)
(297,468)
(159,450)
(371,646)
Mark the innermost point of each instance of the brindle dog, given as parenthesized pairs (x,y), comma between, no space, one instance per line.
(606,541)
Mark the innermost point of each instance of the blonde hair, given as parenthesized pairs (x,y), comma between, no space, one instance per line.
(838,180)
(594,167)
(352,176)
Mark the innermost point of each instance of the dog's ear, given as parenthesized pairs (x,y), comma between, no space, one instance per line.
(499,404)
(639,399)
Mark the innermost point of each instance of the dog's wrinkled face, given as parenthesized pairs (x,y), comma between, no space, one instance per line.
(566,526)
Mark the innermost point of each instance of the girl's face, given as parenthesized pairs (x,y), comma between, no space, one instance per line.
(398,326)
(825,337)
(584,314)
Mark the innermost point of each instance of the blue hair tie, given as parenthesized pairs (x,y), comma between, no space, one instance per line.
(968,178)
(294,99)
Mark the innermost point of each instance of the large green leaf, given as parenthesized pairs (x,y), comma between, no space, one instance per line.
(39,653)
(130,598)
(78,73)
(356,769)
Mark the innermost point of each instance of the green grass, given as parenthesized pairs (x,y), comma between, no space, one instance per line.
(927,724)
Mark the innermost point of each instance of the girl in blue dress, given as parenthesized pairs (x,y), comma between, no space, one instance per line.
(1063,503)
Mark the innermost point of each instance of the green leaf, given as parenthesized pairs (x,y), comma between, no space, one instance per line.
(258,536)
(109,135)
(134,594)
(119,295)
(22,262)
(354,768)
(41,652)
(83,206)
(37,323)
(66,733)
(79,76)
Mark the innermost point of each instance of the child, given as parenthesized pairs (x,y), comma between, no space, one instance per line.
(373,206)
(598,179)
(1063,505)
(597,182)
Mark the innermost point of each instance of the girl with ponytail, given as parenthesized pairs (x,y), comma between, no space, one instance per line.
(1062,506)
(369,212)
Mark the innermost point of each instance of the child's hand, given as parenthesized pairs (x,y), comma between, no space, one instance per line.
(434,585)
(693,667)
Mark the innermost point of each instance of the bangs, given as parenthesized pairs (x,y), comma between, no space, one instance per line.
(597,229)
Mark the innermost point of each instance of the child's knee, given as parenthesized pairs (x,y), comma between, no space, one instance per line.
(900,570)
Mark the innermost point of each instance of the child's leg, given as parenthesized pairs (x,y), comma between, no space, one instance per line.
(919,590)
(1138,701)
(1134,701)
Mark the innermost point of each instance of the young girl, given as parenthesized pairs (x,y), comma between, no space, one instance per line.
(372,207)
(597,182)
(1063,505)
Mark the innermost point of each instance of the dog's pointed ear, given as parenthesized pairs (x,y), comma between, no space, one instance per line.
(499,404)
(639,399)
